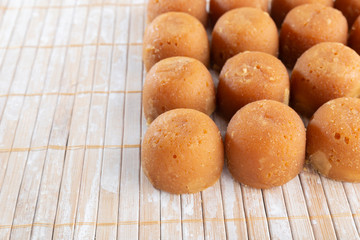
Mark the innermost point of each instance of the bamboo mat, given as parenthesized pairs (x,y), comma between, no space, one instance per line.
(70,131)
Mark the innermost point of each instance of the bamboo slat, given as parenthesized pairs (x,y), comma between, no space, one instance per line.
(28,194)
(353,196)
(70,191)
(110,175)
(213,209)
(55,111)
(317,206)
(339,206)
(257,224)
(130,163)
(192,216)
(21,135)
(296,206)
(279,225)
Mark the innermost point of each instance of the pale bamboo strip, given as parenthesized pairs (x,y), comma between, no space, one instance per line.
(8,64)
(52,162)
(14,83)
(71,178)
(130,160)
(110,176)
(107,31)
(233,207)
(5,40)
(170,212)
(114,3)
(83,5)
(338,205)
(88,197)
(2,54)
(12,56)
(62,93)
(65,147)
(7,69)
(231,194)
(13,164)
(12,110)
(14,47)
(277,215)
(212,208)
(92,156)
(110,224)
(135,3)
(119,70)
(130,163)
(352,191)
(316,202)
(41,64)
(15,4)
(16,161)
(70,184)
(255,213)
(72,73)
(296,206)
(4,5)
(26,5)
(48,193)
(8,25)
(25,210)
(109,191)
(90,186)
(122,29)
(191,209)
(52,80)
(129,192)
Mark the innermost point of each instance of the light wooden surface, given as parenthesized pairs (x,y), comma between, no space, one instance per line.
(71,125)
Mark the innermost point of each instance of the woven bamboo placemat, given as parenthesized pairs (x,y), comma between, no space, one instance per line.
(71,125)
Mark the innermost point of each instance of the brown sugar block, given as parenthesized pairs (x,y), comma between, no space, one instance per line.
(175,34)
(251,76)
(324,72)
(219,7)
(178,82)
(243,29)
(279,8)
(196,8)
(265,144)
(182,152)
(308,25)
(350,9)
(354,39)
(333,139)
